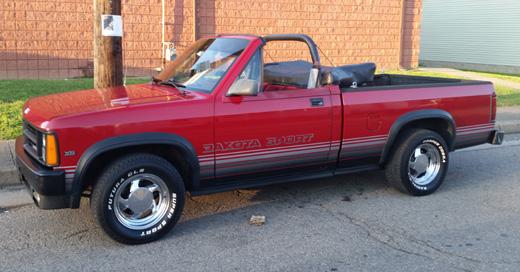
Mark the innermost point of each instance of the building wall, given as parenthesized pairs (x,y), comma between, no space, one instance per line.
(471,33)
(53,39)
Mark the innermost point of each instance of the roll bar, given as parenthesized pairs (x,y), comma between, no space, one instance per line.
(298,37)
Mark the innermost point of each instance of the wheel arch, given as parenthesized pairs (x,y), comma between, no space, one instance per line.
(174,148)
(439,121)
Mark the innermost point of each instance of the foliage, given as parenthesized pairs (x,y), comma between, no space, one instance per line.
(507,97)
(14,93)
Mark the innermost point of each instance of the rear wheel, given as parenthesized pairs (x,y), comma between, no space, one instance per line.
(138,198)
(418,163)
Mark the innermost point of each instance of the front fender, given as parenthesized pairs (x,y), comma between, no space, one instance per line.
(130,140)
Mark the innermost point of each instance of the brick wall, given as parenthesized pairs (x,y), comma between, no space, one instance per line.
(45,39)
(53,39)
(411,34)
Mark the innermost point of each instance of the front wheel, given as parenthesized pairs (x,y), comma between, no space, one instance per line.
(138,198)
(419,162)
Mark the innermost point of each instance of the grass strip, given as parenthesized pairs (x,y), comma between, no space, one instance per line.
(14,93)
(507,97)
(508,77)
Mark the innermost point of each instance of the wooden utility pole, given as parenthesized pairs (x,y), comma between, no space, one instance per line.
(108,57)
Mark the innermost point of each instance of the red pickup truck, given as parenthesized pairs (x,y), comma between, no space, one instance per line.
(220,118)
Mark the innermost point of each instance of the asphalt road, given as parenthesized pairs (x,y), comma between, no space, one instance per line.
(349,223)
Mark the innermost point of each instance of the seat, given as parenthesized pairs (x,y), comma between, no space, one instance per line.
(346,75)
(292,73)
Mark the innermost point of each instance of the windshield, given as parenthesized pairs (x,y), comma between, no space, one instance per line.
(201,67)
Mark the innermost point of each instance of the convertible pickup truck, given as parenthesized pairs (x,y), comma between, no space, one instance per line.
(225,116)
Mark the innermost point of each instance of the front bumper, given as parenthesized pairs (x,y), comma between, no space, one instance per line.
(46,186)
(496,137)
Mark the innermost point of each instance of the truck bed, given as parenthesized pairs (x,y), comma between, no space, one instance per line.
(390,81)
(371,112)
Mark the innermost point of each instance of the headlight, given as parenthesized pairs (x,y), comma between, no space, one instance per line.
(41,145)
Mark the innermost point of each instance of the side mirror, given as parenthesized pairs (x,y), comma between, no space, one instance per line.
(244,87)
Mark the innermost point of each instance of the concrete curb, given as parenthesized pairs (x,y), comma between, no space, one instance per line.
(509,127)
(8,171)
(13,197)
(13,194)
(508,120)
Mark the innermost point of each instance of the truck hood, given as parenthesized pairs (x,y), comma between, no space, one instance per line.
(45,108)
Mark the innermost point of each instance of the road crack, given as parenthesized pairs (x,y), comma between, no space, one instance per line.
(77,233)
(407,244)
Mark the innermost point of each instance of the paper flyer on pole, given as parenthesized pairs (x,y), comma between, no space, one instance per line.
(112,25)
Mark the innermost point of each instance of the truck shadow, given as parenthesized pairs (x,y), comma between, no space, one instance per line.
(216,214)
(277,202)
(234,208)
(221,216)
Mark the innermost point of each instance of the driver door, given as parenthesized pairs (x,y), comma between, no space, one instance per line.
(272,134)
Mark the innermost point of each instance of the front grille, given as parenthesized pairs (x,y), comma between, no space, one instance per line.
(32,140)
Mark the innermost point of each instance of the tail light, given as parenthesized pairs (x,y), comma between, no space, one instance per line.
(493,107)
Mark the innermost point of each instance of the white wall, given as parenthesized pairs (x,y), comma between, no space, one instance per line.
(471,31)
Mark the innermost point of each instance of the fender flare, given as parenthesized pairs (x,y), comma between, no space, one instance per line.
(128,140)
(408,117)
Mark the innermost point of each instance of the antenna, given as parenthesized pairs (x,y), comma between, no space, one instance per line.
(323,54)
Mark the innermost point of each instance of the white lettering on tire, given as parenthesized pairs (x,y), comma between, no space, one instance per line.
(162,223)
(439,146)
(116,186)
(443,155)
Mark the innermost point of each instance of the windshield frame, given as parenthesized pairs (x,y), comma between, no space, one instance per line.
(206,62)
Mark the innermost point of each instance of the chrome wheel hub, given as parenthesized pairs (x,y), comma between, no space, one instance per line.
(141,201)
(424,164)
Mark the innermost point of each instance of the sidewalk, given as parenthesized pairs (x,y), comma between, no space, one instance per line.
(473,76)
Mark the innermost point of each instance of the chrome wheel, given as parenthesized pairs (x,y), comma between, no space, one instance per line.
(141,201)
(424,164)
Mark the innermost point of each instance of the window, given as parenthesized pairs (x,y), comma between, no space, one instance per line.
(253,70)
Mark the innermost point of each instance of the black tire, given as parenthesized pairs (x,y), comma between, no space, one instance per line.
(138,198)
(418,163)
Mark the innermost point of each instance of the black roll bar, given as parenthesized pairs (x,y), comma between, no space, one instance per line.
(298,37)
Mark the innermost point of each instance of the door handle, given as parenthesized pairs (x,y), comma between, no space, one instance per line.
(317,102)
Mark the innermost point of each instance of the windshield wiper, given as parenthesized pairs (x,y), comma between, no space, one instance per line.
(175,84)
(155,80)
(172,83)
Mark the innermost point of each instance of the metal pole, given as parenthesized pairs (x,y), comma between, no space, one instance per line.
(162,44)
(401,41)
(195,20)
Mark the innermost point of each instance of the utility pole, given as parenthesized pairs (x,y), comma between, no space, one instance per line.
(108,57)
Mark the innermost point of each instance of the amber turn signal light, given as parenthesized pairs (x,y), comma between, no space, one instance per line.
(51,152)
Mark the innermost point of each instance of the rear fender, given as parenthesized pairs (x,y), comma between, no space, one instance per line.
(410,120)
